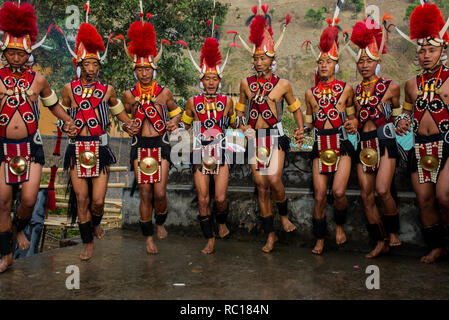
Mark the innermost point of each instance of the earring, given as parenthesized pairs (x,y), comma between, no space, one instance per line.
(201,85)
(154,74)
(274,66)
(377,70)
(337,68)
(78,71)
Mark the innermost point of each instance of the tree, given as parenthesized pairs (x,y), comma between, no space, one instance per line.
(173,20)
(315,17)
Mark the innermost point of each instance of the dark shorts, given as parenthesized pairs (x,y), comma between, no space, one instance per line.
(346,147)
(412,163)
(384,144)
(36,150)
(107,158)
(149,142)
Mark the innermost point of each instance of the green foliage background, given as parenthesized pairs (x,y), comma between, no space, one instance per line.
(173,20)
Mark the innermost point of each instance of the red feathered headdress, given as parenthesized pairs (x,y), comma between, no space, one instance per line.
(88,43)
(142,47)
(19,26)
(329,42)
(210,57)
(426,23)
(367,35)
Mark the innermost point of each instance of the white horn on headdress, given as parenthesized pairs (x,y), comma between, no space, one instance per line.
(337,11)
(87,11)
(107,47)
(37,45)
(287,21)
(197,67)
(406,37)
(227,54)
(443,31)
(66,42)
(159,55)
(245,45)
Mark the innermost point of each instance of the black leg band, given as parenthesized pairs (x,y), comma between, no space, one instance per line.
(160,218)
(96,220)
(375,232)
(20,223)
(282,207)
(340,216)
(86,231)
(221,216)
(6,243)
(434,236)
(319,228)
(207,226)
(147,228)
(391,223)
(267,224)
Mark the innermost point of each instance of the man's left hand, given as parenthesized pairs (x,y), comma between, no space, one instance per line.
(171,125)
(299,135)
(350,126)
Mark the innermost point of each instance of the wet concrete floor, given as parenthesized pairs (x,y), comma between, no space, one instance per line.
(239,270)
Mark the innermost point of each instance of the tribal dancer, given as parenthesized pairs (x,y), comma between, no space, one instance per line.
(210,114)
(156,114)
(261,101)
(377,102)
(21,153)
(426,106)
(330,112)
(88,156)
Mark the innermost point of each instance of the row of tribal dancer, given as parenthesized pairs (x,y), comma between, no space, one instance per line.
(334,110)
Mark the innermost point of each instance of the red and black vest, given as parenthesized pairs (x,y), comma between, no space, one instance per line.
(259,105)
(432,101)
(370,107)
(211,122)
(17,100)
(84,114)
(146,109)
(328,105)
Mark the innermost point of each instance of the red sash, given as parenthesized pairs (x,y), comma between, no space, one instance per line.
(434,149)
(16,100)
(86,114)
(210,120)
(259,104)
(328,142)
(12,151)
(373,144)
(82,168)
(432,101)
(154,153)
(147,109)
(369,107)
(328,105)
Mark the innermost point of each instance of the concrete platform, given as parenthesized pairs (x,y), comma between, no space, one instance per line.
(239,270)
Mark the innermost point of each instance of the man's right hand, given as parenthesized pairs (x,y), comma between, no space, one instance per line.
(402,127)
(249,132)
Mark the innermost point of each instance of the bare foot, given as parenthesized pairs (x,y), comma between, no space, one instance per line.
(286,224)
(151,246)
(381,248)
(272,238)
(6,262)
(161,232)
(209,248)
(434,255)
(223,230)
(340,235)
(22,241)
(394,240)
(88,251)
(99,232)
(319,247)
